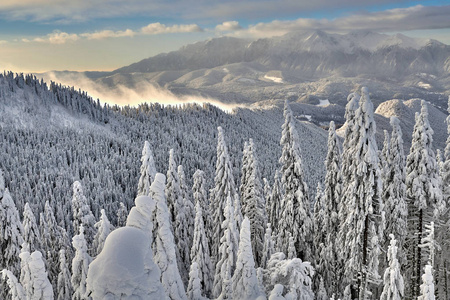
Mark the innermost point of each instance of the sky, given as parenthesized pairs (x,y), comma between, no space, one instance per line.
(103,35)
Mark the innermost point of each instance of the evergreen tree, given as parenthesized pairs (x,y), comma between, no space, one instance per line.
(122,214)
(15,290)
(276,202)
(393,280)
(82,215)
(427,287)
(163,242)
(267,197)
(277,292)
(396,210)
(188,205)
(291,252)
(194,291)
(201,196)
(80,266)
(224,186)
(178,217)
(363,227)
(332,202)
(64,286)
(35,283)
(200,253)
(11,232)
(269,247)
(295,213)
(31,233)
(148,170)
(226,263)
(253,204)
(103,229)
(245,283)
(423,188)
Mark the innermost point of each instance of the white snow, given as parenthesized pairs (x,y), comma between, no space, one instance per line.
(324,102)
(121,270)
(274,79)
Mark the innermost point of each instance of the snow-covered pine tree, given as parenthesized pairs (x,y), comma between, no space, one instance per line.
(423,188)
(332,203)
(39,286)
(122,214)
(200,195)
(393,288)
(384,156)
(252,197)
(14,288)
(149,279)
(226,262)
(269,246)
(224,186)
(178,218)
(276,202)
(394,189)
(320,221)
(194,290)
(31,233)
(103,229)
(200,253)
(82,215)
(291,252)
(427,287)
(148,171)
(80,266)
(11,236)
(267,197)
(188,205)
(164,243)
(245,283)
(295,214)
(64,285)
(363,227)
(446,161)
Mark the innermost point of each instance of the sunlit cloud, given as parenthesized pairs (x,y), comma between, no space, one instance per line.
(2,42)
(56,37)
(158,28)
(400,19)
(228,26)
(103,34)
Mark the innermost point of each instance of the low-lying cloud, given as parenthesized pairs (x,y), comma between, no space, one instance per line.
(122,95)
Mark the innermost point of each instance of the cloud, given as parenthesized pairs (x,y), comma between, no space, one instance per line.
(103,34)
(56,37)
(400,19)
(2,42)
(158,28)
(228,26)
(141,92)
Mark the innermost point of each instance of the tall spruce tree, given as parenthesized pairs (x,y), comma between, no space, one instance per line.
(226,262)
(82,215)
(423,189)
(31,233)
(178,218)
(393,288)
(276,202)
(394,189)
(295,214)
(245,282)
(188,205)
(224,186)
(80,266)
(164,242)
(362,229)
(148,171)
(253,203)
(200,253)
(332,202)
(64,285)
(201,196)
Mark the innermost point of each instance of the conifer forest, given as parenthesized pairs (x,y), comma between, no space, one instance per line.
(106,202)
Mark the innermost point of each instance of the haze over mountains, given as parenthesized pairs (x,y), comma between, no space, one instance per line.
(298,66)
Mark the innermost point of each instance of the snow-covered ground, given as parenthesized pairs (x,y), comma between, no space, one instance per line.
(274,79)
(323,102)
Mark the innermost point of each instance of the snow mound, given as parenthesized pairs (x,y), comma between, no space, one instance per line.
(122,269)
